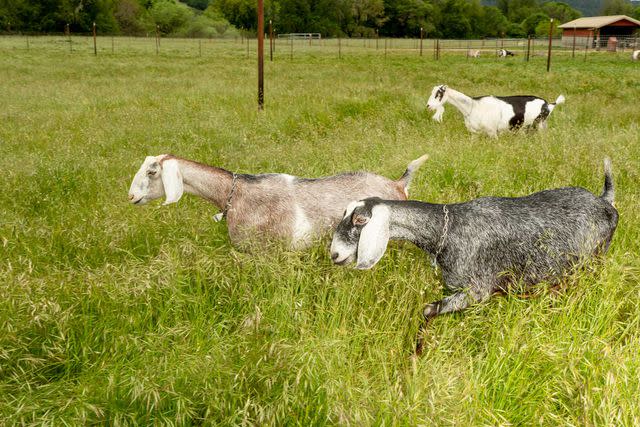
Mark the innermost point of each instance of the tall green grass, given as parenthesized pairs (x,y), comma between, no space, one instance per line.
(114,314)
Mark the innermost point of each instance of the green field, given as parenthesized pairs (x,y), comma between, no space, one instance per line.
(120,315)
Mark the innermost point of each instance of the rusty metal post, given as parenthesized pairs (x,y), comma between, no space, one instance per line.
(421,35)
(377,37)
(528,47)
(550,41)
(260,54)
(68,31)
(95,46)
(157,39)
(339,48)
(573,51)
(270,40)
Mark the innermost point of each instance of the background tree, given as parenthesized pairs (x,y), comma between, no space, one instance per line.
(616,7)
(560,11)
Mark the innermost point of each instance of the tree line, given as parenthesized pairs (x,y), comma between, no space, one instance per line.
(355,18)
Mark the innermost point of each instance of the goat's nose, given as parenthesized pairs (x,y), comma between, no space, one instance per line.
(130,197)
(334,256)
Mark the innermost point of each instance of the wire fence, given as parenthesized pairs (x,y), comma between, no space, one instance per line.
(290,47)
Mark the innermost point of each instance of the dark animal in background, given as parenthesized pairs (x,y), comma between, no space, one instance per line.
(487,245)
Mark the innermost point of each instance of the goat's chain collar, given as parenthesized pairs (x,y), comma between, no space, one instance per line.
(443,238)
(223,215)
(233,190)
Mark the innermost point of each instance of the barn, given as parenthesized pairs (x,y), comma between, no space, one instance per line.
(595,31)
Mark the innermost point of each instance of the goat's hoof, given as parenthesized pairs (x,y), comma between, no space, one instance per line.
(430,311)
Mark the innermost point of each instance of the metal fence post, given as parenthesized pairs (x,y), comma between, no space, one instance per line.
(95,46)
(550,41)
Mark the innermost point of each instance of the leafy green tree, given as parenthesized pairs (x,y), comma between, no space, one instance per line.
(559,11)
(169,16)
(492,23)
(616,7)
(518,10)
(530,24)
(454,21)
(542,29)
(197,4)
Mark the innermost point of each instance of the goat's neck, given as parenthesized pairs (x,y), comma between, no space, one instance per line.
(420,223)
(461,101)
(208,182)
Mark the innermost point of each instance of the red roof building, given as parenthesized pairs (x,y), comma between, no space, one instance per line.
(595,31)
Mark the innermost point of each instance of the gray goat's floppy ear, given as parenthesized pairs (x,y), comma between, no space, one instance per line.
(373,238)
(172,181)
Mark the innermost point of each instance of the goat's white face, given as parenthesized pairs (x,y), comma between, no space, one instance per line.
(436,101)
(155,179)
(362,235)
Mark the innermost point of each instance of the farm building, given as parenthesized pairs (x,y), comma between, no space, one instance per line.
(595,31)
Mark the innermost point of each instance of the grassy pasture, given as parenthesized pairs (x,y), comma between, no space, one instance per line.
(114,314)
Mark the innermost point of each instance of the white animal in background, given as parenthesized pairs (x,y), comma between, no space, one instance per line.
(635,55)
(493,114)
(265,207)
(474,53)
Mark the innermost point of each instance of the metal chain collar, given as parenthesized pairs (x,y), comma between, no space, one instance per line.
(445,230)
(223,214)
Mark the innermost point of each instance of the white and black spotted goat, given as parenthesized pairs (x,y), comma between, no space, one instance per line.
(487,245)
(265,207)
(503,53)
(493,114)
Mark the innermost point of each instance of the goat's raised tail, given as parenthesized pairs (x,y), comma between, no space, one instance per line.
(559,100)
(405,179)
(608,192)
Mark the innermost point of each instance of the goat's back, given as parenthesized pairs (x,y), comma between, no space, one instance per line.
(326,198)
(535,237)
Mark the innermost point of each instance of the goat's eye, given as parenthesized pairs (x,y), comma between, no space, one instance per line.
(360,220)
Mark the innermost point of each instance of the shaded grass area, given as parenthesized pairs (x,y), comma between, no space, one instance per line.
(122,315)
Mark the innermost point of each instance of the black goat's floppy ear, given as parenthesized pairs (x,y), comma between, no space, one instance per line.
(373,238)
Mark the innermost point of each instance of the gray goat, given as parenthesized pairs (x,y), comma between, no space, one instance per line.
(486,245)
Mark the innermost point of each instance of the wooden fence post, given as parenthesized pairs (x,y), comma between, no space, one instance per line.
(421,35)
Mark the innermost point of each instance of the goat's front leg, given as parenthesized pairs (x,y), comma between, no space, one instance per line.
(456,302)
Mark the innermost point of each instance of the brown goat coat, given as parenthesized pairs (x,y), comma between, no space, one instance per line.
(281,207)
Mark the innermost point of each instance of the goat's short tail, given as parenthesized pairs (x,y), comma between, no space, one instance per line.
(608,193)
(405,179)
(559,100)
